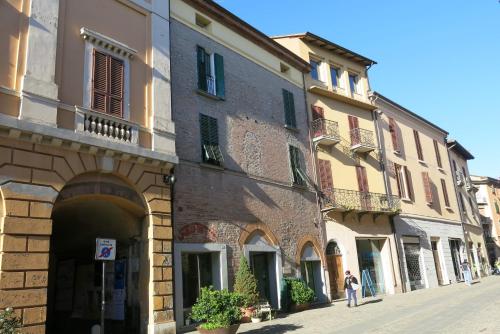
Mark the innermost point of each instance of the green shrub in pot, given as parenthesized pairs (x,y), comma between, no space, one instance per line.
(300,293)
(245,284)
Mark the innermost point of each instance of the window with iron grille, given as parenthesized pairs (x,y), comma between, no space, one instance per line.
(210,149)
(289,104)
(298,174)
(210,73)
(107,84)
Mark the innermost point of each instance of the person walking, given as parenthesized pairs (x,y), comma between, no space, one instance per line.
(467,273)
(351,285)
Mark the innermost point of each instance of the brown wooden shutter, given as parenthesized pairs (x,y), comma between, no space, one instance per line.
(354,124)
(107,84)
(418,145)
(438,155)
(100,82)
(397,168)
(317,113)
(325,174)
(427,187)
(409,183)
(393,129)
(362,179)
(445,193)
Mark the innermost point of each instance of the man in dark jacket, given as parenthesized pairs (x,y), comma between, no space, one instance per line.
(351,285)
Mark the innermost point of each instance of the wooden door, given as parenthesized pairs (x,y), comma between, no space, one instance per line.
(354,125)
(336,273)
(437,262)
(363,188)
(319,126)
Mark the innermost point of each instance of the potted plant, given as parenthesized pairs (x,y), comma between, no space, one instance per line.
(256,315)
(300,294)
(9,322)
(218,310)
(245,284)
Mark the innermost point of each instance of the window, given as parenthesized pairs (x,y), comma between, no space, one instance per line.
(445,194)
(464,171)
(497,208)
(196,274)
(353,83)
(296,166)
(107,84)
(470,203)
(438,155)
(210,73)
(462,203)
(403,180)
(289,105)
(335,75)
(315,68)
(393,129)
(354,130)
(427,187)
(210,141)
(454,166)
(420,154)
(325,174)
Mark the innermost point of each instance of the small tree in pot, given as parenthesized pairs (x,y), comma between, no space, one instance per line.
(245,284)
(300,294)
(219,310)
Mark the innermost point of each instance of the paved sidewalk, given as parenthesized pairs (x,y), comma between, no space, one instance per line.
(450,309)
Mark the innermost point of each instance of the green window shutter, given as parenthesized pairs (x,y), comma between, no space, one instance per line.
(289,105)
(219,75)
(202,68)
(209,134)
(295,165)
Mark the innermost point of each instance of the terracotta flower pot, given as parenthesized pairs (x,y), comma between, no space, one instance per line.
(300,307)
(246,314)
(230,330)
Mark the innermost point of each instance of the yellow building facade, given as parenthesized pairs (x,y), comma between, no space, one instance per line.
(355,207)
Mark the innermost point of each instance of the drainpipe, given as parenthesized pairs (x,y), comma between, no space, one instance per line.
(388,191)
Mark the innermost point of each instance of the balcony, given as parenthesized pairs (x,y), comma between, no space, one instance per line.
(343,200)
(460,178)
(325,132)
(362,140)
(106,126)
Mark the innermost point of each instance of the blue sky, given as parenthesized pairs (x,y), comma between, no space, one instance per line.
(438,58)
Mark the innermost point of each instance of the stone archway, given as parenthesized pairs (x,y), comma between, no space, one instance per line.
(32,179)
(311,261)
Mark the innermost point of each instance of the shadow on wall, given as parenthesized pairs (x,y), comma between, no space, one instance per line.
(436,204)
(273,329)
(411,228)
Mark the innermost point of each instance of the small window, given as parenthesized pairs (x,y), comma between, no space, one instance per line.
(107,84)
(296,166)
(202,21)
(335,75)
(418,145)
(210,149)
(445,194)
(438,154)
(354,83)
(315,68)
(289,107)
(210,72)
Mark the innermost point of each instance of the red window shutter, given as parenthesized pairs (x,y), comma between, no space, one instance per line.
(427,187)
(107,84)
(438,155)
(409,183)
(100,82)
(354,124)
(445,193)
(362,179)
(418,145)
(397,169)
(325,174)
(116,87)
(317,113)
(393,129)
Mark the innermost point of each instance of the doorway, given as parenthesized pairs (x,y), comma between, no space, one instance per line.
(455,257)
(260,267)
(335,270)
(412,257)
(437,261)
(370,260)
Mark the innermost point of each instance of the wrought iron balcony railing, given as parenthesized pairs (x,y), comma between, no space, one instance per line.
(351,200)
(325,131)
(460,178)
(362,140)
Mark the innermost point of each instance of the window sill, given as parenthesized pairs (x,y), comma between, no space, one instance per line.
(448,208)
(291,128)
(299,186)
(422,162)
(210,166)
(406,200)
(398,153)
(441,169)
(210,96)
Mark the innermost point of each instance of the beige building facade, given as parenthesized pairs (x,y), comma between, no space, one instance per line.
(355,206)
(488,202)
(428,228)
(86,150)
(477,255)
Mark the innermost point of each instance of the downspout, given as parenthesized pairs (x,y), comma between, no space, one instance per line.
(388,191)
(321,226)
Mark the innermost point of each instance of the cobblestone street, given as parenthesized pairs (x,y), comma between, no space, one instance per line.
(450,309)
